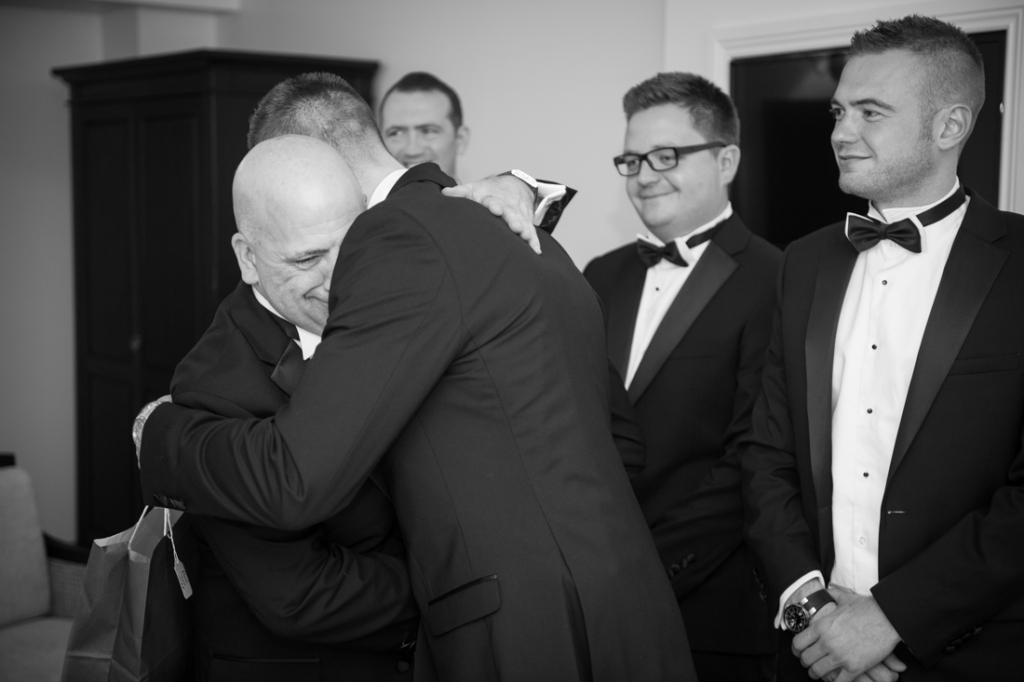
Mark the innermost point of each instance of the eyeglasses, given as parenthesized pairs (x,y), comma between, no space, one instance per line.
(659,159)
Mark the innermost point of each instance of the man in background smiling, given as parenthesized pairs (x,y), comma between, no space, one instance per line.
(421,120)
(688,314)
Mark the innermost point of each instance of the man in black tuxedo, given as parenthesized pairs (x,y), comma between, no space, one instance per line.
(331,601)
(885,454)
(468,365)
(687,328)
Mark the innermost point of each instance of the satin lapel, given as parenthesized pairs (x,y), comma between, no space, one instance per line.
(973,265)
(708,276)
(834,271)
(622,308)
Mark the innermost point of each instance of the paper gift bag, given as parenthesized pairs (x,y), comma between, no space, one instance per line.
(132,623)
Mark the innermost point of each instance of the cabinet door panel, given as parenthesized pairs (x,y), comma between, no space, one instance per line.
(169,277)
(105,237)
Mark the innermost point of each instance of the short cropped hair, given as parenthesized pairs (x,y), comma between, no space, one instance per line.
(713,112)
(421,81)
(956,71)
(319,105)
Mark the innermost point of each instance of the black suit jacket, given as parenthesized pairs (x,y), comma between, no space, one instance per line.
(480,370)
(274,604)
(693,393)
(951,556)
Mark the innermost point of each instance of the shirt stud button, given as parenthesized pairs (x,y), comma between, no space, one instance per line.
(870,410)
(884,282)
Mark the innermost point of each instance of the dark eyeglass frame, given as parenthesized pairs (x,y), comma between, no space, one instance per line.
(620,160)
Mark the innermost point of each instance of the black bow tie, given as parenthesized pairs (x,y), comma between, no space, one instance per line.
(290,366)
(652,254)
(864,232)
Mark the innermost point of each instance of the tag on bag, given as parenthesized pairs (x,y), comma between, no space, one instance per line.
(179,568)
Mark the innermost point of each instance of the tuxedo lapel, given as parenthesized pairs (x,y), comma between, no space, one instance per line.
(973,265)
(271,338)
(834,272)
(623,304)
(708,276)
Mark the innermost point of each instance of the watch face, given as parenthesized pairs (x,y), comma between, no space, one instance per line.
(796,618)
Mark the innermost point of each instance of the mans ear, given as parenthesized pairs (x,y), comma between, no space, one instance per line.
(462,139)
(246,257)
(728,163)
(952,125)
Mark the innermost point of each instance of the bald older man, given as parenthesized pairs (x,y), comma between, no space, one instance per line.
(327,602)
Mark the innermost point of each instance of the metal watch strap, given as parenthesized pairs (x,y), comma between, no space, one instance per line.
(526,179)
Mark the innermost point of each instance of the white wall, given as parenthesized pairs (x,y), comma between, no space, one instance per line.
(136,31)
(37,417)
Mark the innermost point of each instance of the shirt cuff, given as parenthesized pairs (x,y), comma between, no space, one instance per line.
(547,194)
(789,593)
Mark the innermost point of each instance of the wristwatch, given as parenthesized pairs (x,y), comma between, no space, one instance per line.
(527,179)
(798,616)
(140,423)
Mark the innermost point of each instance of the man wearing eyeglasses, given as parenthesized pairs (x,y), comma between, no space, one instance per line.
(688,314)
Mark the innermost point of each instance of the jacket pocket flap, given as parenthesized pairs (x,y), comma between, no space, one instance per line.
(473,600)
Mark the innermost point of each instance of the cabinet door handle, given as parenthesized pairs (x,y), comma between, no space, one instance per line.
(135,343)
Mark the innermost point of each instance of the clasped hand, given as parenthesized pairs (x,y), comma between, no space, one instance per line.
(506,197)
(852,641)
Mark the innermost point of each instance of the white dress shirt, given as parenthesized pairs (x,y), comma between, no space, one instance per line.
(384,187)
(662,284)
(547,194)
(881,324)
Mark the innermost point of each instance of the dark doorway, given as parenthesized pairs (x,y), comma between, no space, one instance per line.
(787,185)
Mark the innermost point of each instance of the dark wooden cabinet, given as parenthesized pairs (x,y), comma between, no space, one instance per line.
(155,143)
